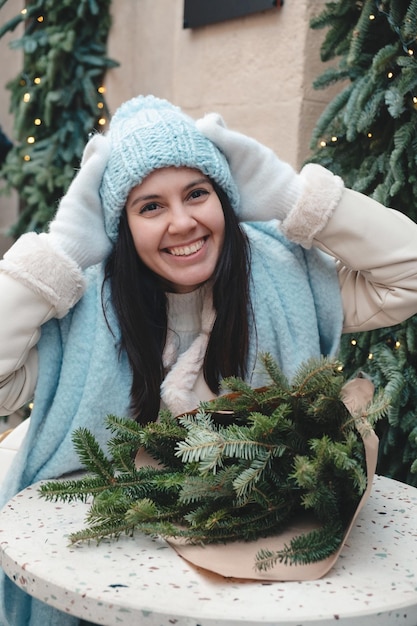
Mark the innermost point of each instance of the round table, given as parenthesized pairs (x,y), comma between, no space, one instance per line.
(142,581)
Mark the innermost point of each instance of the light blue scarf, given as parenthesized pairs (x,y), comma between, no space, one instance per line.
(298,314)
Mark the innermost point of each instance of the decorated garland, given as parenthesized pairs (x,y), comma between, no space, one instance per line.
(57,99)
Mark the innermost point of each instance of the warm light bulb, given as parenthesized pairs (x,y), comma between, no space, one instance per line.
(26,97)
(410,52)
(37,122)
(390,74)
(100,105)
(23,11)
(370,356)
(334,138)
(101,89)
(397,344)
(40,18)
(369,135)
(26,157)
(372,16)
(31,139)
(353,342)
(323,144)
(37,80)
(102,121)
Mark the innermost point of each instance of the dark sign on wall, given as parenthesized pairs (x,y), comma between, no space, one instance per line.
(203,12)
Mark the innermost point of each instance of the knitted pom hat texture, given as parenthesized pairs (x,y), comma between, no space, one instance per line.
(147,133)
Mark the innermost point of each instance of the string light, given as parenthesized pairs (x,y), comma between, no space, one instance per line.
(37,121)
(406,45)
(26,97)
(323,144)
(23,11)
(37,80)
(31,139)
(26,157)
(390,74)
(334,139)
(100,105)
(390,340)
(372,16)
(40,18)
(369,135)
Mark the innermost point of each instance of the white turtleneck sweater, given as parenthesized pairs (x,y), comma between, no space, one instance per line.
(184,318)
(190,320)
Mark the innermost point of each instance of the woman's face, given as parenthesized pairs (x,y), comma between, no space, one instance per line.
(177,224)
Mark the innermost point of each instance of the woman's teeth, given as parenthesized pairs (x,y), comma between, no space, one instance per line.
(187,250)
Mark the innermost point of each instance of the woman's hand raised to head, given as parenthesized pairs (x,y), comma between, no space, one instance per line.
(269,188)
(78,226)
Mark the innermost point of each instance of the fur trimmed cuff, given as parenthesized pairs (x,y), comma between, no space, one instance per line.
(321,194)
(49,272)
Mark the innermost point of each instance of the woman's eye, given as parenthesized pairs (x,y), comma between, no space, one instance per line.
(152,206)
(198,193)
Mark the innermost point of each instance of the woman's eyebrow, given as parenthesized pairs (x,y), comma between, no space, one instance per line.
(144,198)
(197,181)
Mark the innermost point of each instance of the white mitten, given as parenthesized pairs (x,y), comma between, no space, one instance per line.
(268,187)
(78,226)
(51,264)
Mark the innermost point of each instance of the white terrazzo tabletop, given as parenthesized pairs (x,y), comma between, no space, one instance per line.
(141,581)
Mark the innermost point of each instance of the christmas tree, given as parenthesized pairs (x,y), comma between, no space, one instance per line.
(238,468)
(368,135)
(57,100)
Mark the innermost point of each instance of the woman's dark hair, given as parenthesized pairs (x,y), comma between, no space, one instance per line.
(140,305)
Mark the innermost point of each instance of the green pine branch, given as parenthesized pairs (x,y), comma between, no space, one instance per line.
(311,547)
(285,448)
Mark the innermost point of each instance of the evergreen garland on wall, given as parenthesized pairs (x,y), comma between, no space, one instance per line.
(368,135)
(57,100)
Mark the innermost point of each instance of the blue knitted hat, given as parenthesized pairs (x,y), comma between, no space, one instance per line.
(146,134)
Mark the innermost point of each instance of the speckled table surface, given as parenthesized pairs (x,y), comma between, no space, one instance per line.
(143,582)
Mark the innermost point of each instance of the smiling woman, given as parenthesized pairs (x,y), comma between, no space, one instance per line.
(182,253)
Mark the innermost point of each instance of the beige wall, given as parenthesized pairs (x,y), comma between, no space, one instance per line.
(256,71)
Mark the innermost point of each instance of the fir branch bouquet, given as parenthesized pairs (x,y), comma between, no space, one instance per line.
(238,468)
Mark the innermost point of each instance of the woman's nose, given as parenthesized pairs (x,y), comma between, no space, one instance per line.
(181,220)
